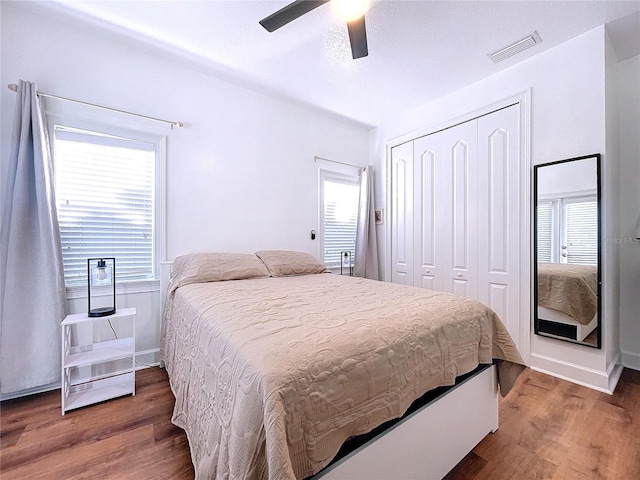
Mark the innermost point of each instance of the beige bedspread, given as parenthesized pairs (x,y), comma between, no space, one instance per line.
(570,289)
(272,375)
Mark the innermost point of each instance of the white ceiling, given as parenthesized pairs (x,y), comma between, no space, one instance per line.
(418,50)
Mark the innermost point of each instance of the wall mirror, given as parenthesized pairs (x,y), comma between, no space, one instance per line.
(567,281)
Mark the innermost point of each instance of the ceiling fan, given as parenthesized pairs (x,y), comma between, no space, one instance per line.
(351,11)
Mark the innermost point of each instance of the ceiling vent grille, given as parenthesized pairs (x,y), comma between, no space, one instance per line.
(515,48)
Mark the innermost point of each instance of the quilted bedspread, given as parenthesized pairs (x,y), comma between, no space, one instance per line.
(272,375)
(570,289)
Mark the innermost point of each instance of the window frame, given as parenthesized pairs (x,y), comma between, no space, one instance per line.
(159,208)
(346,175)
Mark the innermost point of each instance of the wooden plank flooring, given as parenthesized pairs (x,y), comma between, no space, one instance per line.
(549,429)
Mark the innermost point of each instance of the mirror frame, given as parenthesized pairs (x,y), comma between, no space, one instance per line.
(535,251)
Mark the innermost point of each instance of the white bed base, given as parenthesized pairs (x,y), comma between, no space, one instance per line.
(582,331)
(425,445)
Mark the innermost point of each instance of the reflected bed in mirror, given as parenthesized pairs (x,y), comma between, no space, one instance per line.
(567,250)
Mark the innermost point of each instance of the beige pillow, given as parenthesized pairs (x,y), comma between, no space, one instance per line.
(215,267)
(282,263)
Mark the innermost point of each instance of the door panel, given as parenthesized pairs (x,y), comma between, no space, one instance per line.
(459,207)
(498,215)
(428,156)
(402,212)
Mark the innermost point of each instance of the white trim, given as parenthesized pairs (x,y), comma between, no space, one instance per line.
(141,363)
(576,193)
(602,381)
(631,360)
(526,252)
(122,288)
(30,391)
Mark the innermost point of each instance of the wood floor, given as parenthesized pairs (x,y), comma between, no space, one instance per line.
(549,429)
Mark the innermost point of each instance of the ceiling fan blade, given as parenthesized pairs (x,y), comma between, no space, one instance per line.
(358,38)
(290,13)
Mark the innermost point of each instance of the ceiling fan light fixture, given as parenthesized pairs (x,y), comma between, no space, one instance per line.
(349,10)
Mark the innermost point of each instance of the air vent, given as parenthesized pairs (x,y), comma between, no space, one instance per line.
(516,47)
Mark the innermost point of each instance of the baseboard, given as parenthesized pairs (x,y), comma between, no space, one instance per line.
(148,358)
(614,375)
(30,391)
(631,360)
(587,377)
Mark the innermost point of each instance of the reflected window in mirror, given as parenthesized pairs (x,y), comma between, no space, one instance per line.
(567,250)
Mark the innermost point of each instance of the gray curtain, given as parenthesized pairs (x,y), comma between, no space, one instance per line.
(366,258)
(32,290)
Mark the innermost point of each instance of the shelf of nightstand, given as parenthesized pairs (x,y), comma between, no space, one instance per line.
(99,352)
(77,318)
(96,391)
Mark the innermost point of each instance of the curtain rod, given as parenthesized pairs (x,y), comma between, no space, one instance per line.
(14,87)
(316,158)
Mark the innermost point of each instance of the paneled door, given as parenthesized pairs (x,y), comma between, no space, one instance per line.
(402,214)
(428,171)
(445,223)
(498,213)
(460,207)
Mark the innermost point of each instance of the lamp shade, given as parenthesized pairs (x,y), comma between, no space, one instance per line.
(101,280)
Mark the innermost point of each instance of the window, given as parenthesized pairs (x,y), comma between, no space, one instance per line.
(581,231)
(339,196)
(107,191)
(568,230)
(545,232)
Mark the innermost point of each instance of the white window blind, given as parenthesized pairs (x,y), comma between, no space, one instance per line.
(581,232)
(545,231)
(105,190)
(339,217)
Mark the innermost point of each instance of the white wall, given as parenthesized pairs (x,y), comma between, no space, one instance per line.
(627,77)
(240,175)
(567,120)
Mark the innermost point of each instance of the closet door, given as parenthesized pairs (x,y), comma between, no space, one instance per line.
(402,214)
(458,197)
(498,215)
(429,213)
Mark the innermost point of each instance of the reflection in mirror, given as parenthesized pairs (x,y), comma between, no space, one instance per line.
(567,250)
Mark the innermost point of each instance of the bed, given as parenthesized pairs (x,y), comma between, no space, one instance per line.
(567,295)
(275,363)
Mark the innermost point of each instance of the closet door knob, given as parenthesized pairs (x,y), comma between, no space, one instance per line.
(428,271)
(459,274)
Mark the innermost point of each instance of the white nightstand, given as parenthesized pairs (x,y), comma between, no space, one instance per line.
(103,386)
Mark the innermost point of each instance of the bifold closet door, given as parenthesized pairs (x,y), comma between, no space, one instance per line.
(459,236)
(445,211)
(498,214)
(429,211)
(402,214)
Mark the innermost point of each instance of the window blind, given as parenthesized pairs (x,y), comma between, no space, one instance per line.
(105,198)
(340,215)
(581,232)
(545,231)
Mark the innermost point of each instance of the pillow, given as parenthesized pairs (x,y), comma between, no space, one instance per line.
(282,263)
(215,267)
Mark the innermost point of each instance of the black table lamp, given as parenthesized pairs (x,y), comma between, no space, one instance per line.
(101,277)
